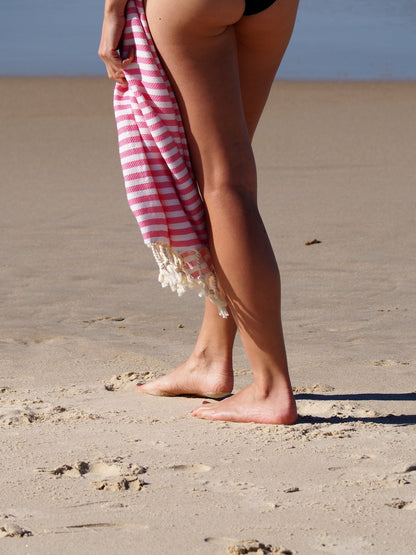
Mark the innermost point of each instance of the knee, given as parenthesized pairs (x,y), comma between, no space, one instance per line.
(237,187)
(231,169)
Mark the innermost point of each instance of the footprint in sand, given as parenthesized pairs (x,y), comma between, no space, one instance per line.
(9,529)
(128,381)
(402,477)
(14,415)
(247,546)
(254,546)
(75,471)
(400,504)
(122,484)
(404,470)
(112,475)
(388,362)
(117,477)
(20,414)
(393,481)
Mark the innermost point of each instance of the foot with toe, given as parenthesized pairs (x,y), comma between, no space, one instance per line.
(248,405)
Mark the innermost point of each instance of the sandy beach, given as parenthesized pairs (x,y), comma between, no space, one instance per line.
(90,466)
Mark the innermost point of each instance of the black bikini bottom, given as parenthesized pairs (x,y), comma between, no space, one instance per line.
(256,6)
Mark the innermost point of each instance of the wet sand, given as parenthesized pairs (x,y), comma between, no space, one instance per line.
(90,466)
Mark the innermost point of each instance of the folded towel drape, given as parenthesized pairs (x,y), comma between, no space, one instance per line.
(160,185)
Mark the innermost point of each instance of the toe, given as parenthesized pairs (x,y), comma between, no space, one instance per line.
(204,410)
(205,405)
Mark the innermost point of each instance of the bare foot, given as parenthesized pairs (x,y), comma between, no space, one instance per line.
(278,407)
(197,376)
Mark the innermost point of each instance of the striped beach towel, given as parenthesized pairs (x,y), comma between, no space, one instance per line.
(161,188)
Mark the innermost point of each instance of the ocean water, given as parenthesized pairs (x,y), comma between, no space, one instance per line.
(333,39)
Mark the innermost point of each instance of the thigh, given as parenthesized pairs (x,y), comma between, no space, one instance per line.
(196,41)
(262,40)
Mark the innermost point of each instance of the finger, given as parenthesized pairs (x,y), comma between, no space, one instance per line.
(119,79)
(132,53)
(130,58)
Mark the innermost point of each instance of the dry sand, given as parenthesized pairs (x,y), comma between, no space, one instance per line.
(88,465)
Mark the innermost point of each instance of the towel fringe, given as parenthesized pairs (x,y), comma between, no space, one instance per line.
(175,272)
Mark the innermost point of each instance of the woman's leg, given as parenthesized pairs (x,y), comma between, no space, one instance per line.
(200,48)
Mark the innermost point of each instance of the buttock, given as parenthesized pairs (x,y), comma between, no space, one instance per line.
(257,6)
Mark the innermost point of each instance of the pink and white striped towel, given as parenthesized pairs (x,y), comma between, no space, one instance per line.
(161,189)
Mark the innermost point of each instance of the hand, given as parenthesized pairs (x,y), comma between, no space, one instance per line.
(113,26)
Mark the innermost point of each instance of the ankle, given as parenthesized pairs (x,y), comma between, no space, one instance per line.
(209,355)
(269,386)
